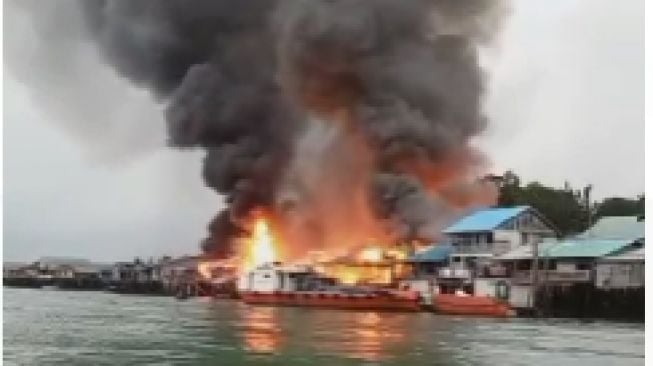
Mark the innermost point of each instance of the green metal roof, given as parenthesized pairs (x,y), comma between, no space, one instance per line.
(575,248)
(615,227)
(589,248)
(636,254)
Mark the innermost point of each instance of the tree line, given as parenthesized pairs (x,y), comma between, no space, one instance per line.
(569,209)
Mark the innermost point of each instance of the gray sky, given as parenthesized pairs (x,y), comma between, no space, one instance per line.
(565,102)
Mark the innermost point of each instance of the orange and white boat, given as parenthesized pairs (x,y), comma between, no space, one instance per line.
(471,305)
(273,284)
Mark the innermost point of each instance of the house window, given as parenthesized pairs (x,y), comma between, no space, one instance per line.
(583,266)
(636,274)
(523,265)
(524,238)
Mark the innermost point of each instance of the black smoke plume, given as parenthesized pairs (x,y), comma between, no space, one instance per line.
(333,115)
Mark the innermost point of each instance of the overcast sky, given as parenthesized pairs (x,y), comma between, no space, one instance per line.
(565,102)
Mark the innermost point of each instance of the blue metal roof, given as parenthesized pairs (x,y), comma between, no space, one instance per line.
(485,220)
(434,253)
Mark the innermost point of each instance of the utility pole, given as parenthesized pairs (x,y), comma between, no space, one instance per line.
(535,272)
(586,193)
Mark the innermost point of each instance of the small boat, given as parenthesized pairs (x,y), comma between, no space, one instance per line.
(182,293)
(272,284)
(470,305)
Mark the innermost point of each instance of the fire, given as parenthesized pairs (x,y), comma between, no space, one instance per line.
(371,265)
(396,254)
(348,276)
(204,269)
(371,254)
(261,246)
(354,273)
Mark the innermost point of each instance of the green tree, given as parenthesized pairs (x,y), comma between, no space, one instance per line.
(510,189)
(564,207)
(620,206)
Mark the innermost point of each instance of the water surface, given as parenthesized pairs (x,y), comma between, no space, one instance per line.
(51,327)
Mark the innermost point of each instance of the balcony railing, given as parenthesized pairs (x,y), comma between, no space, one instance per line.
(458,273)
(496,248)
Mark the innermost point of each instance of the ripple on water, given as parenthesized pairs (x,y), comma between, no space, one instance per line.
(92,328)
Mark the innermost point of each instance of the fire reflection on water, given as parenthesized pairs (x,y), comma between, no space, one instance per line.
(368,336)
(371,337)
(261,331)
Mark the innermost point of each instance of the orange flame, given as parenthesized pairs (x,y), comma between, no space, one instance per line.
(261,247)
(353,273)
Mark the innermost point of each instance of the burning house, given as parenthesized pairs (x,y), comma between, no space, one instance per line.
(369,266)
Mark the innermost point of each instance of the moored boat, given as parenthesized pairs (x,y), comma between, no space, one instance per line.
(336,299)
(272,284)
(471,305)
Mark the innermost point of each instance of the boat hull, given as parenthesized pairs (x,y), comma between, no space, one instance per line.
(471,305)
(390,302)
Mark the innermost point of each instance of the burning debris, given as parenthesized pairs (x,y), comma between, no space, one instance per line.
(343,120)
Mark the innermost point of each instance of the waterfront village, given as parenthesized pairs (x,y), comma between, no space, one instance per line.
(513,255)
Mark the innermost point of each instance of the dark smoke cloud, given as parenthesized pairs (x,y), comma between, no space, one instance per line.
(254,82)
(406,77)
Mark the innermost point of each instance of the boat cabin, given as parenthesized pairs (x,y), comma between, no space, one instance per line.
(272,277)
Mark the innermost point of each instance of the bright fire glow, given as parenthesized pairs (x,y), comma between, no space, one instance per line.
(353,273)
(348,277)
(371,254)
(204,269)
(261,248)
(396,254)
